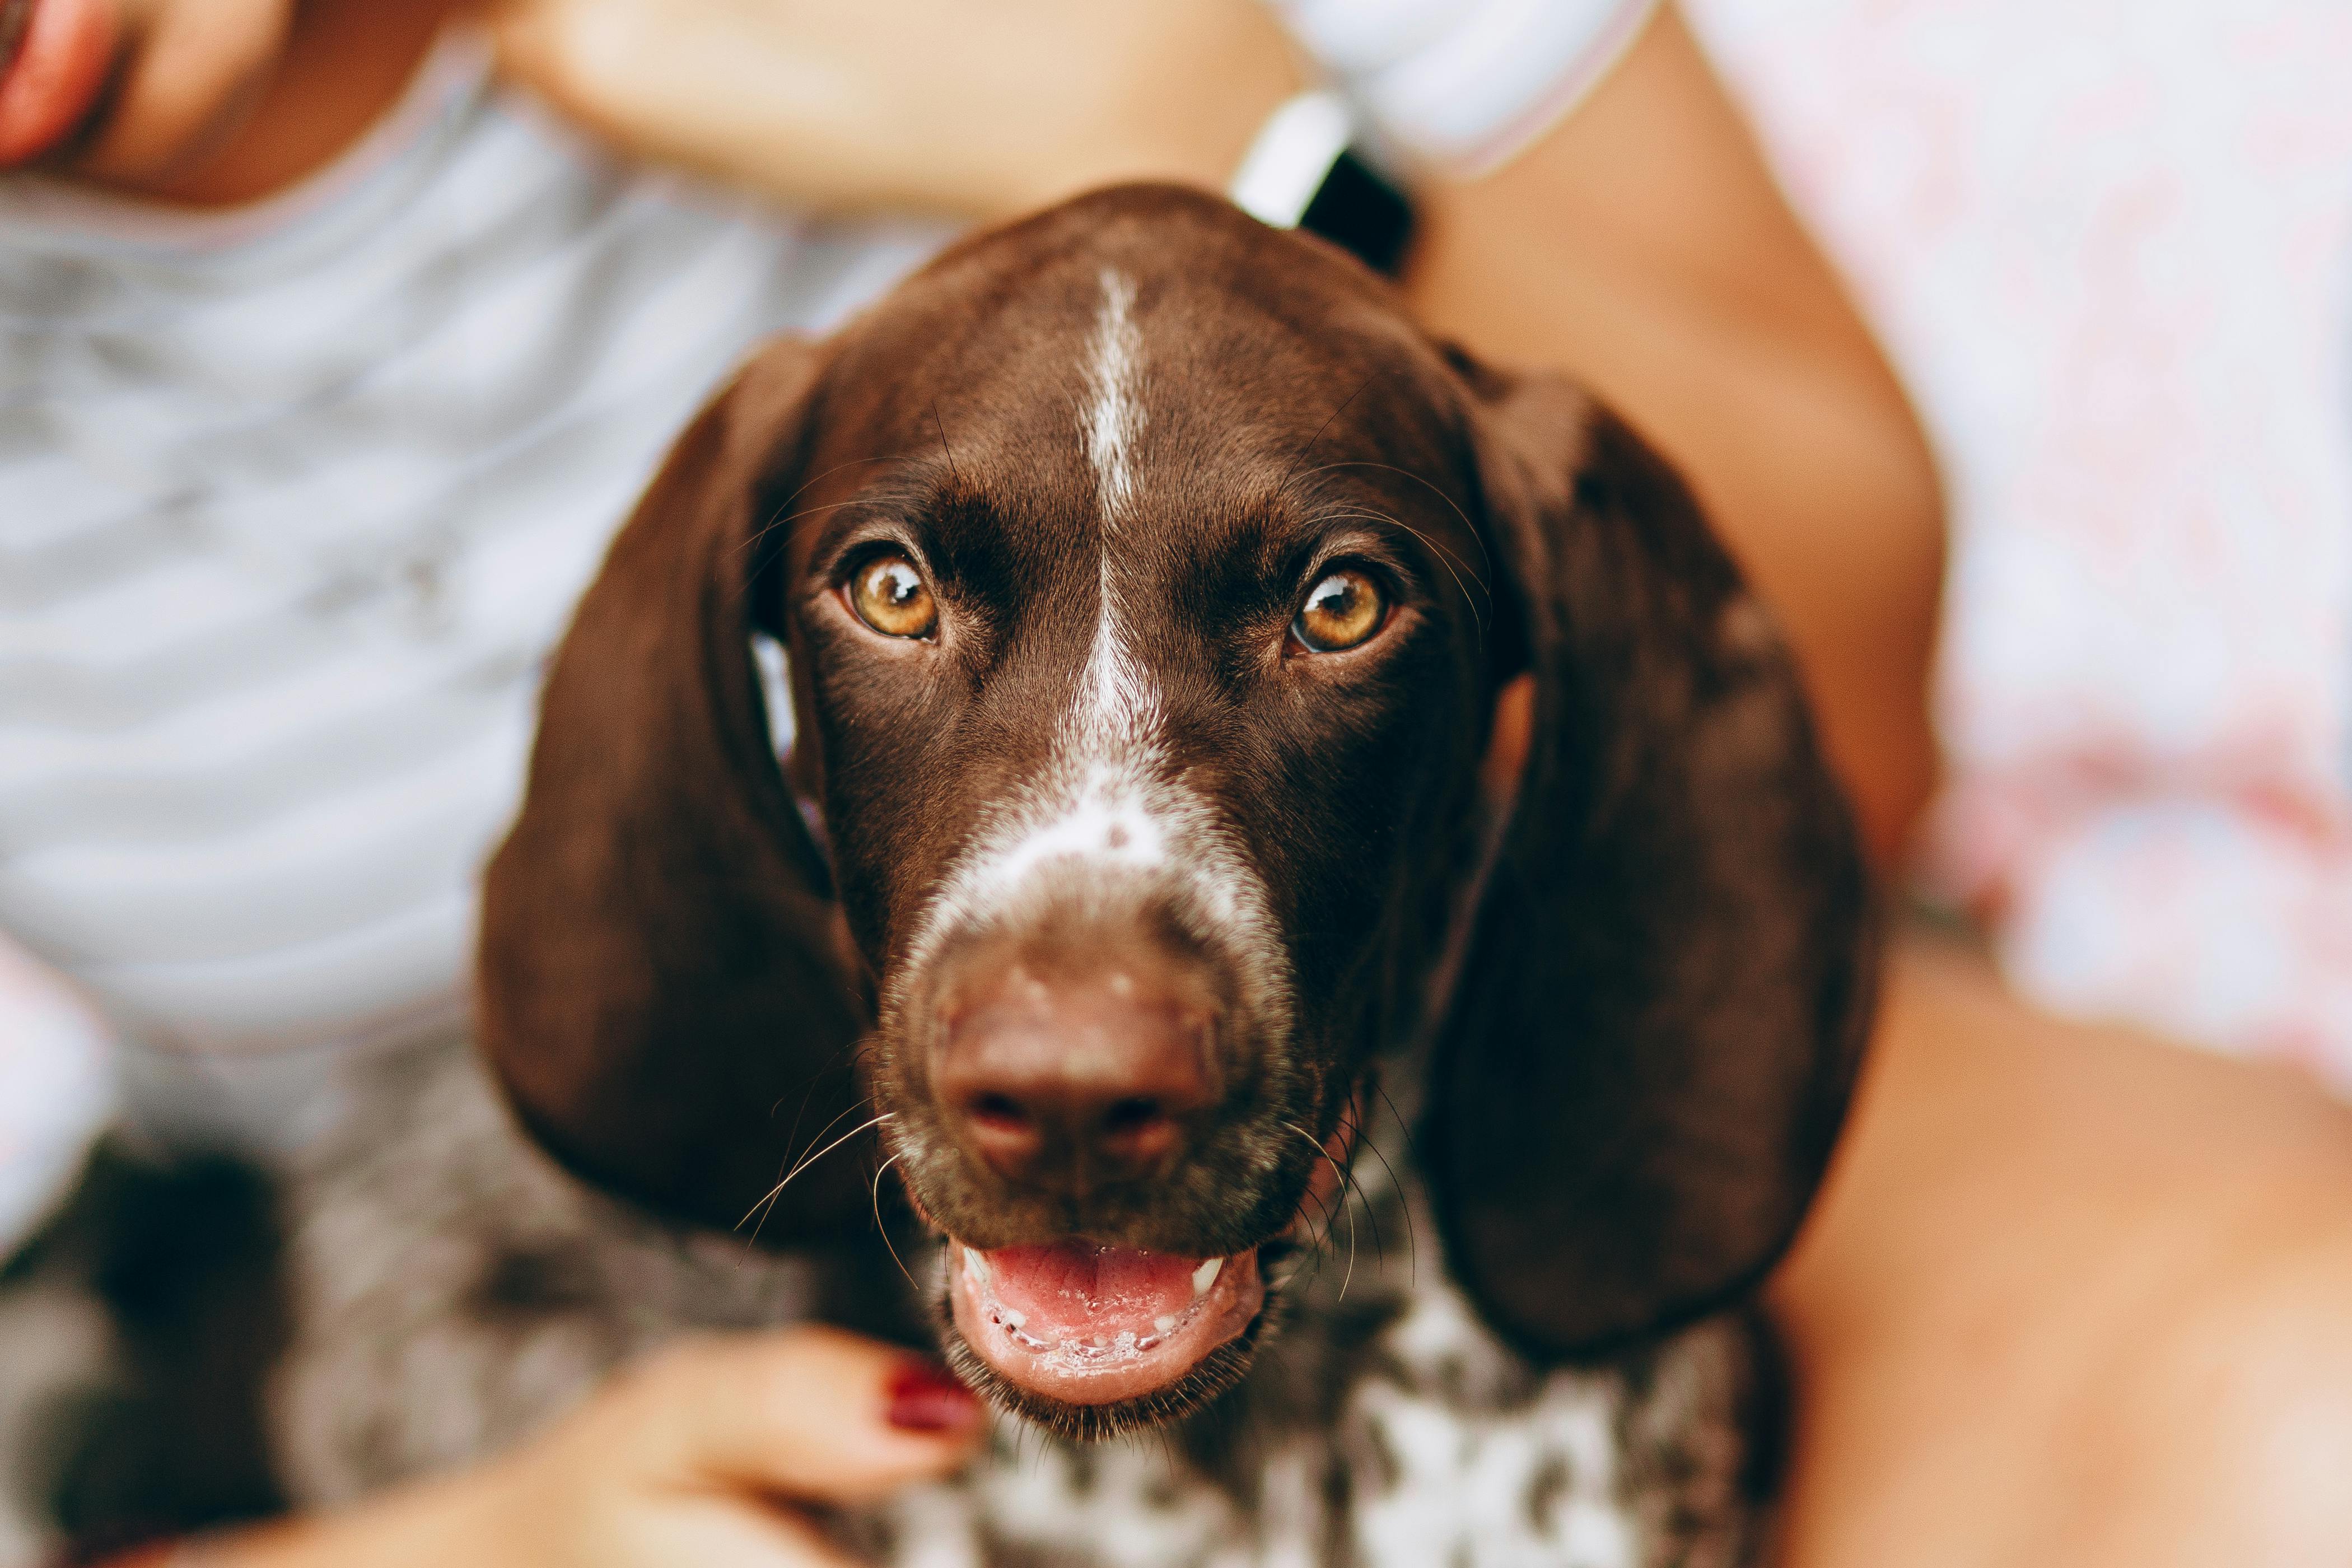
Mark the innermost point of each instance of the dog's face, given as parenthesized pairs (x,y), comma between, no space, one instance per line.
(1147,582)
(1141,624)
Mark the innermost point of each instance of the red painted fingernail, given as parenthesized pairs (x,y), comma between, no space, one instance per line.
(925,1398)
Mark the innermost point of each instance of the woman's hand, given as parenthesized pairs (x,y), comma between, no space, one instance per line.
(706,1455)
(891,104)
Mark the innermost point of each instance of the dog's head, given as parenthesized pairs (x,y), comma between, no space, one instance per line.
(1149,585)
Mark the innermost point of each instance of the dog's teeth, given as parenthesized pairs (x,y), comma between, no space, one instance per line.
(1166,1324)
(1205,1276)
(977,1267)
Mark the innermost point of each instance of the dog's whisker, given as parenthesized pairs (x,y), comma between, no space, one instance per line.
(850,1110)
(1355,1124)
(805,1161)
(882,499)
(885,1229)
(1407,473)
(1351,1185)
(762,1208)
(947,451)
(795,1167)
(1361,387)
(1362,513)
(1320,1246)
(772,523)
(1446,558)
(875,499)
(1337,1171)
(775,1191)
(1413,1237)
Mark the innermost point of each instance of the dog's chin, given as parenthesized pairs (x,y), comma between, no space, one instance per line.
(1092,1341)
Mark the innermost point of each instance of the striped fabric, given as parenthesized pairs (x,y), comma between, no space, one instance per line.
(54,1091)
(292,504)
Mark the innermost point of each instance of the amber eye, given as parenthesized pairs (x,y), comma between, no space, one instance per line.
(891,596)
(1342,610)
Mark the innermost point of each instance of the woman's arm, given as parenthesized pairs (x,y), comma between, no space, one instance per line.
(1642,245)
(709,1453)
(2070,1295)
(934,105)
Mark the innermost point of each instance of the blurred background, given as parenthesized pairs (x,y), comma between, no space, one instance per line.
(2110,248)
(2108,245)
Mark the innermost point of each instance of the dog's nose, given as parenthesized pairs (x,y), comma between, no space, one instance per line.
(1064,1082)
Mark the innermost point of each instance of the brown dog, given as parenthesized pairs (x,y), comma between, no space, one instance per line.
(1147,583)
(1148,894)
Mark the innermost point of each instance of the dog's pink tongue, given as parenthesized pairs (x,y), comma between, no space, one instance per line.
(1079,1290)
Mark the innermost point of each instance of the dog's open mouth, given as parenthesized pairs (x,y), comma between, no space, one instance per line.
(1077,1323)
(1093,1340)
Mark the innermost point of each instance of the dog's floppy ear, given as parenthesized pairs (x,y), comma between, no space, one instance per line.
(1669,983)
(660,993)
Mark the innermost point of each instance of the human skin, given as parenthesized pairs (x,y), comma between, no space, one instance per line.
(708,1453)
(219,101)
(2070,1295)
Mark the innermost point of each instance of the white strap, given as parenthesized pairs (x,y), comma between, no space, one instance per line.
(1290,158)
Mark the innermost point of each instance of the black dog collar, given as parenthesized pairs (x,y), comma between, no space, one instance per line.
(1305,170)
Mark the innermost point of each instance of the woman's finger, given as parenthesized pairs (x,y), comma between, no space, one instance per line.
(812,1414)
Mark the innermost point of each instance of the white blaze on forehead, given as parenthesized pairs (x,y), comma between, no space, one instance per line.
(1097,799)
(1117,708)
(1111,413)
(1103,804)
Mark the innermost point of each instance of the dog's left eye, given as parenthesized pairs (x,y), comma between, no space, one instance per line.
(891,596)
(1343,609)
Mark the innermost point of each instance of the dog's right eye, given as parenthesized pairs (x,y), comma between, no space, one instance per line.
(1342,611)
(891,596)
